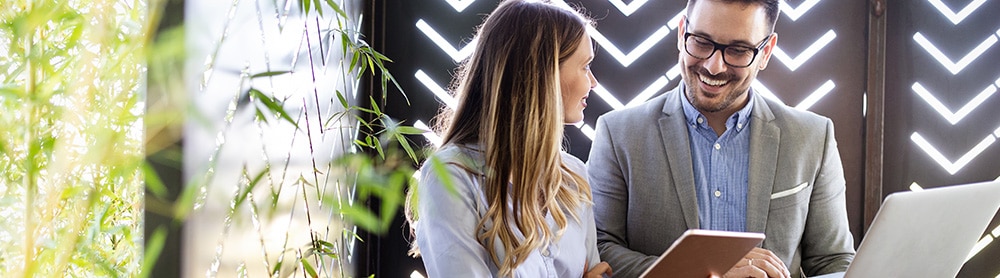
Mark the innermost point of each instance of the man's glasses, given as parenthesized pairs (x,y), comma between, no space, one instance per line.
(733,55)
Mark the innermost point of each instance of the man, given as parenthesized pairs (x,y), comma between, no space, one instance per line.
(714,154)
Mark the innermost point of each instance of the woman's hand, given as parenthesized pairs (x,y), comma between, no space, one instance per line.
(597,271)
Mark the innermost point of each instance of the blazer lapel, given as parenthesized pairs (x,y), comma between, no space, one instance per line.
(673,129)
(764,140)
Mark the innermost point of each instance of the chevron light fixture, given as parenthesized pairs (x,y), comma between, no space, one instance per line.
(953,117)
(952,167)
(954,67)
(809,52)
(960,15)
(795,13)
(628,9)
(437,90)
(460,5)
(456,54)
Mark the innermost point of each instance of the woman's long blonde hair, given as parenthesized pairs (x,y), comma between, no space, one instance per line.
(510,104)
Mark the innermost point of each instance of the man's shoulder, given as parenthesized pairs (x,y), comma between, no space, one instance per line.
(791,116)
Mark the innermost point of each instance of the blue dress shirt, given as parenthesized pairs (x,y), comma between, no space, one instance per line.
(721,168)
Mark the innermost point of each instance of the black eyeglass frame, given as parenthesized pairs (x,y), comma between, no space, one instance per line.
(718,47)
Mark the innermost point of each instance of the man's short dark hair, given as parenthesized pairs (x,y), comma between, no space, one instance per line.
(770,8)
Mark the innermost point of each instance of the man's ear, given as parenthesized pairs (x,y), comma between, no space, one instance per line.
(680,32)
(766,54)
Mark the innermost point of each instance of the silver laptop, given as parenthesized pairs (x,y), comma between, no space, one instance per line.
(926,233)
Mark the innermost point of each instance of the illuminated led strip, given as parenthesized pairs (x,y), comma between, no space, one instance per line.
(586,129)
(628,9)
(953,167)
(961,15)
(643,96)
(954,117)
(627,59)
(795,13)
(460,5)
(764,91)
(430,135)
(439,92)
(806,103)
(816,95)
(953,67)
(652,89)
(608,98)
(794,63)
(456,54)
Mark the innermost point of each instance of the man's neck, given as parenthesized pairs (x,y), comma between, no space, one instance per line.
(717,120)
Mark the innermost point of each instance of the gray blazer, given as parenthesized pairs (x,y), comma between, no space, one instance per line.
(644,192)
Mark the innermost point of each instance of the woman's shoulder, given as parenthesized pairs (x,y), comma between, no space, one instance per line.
(574,164)
(455,157)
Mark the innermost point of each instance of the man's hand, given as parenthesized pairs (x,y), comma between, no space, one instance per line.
(759,263)
(597,271)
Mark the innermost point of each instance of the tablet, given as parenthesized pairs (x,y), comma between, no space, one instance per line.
(700,253)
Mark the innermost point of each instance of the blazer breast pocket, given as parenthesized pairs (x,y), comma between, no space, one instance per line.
(792,196)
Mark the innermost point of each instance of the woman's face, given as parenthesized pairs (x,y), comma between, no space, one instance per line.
(577,81)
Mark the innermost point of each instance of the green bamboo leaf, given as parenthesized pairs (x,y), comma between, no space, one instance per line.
(404,142)
(439,170)
(153,181)
(272,104)
(308,267)
(378,147)
(363,122)
(343,100)
(259,116)
(249,188)
(409,130)
(375,106)
(352,234)
(154,245)
(359,143)
(385,73)
(355,57)
(363,218)
(270,73)
(277,268)
(379,56)
(319,8)
(304,6)
(336,8)
(362,109)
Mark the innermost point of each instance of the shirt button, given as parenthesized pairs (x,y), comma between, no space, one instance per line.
(700,120)
(718,193)
(545,252)
(739,126)
(717,146)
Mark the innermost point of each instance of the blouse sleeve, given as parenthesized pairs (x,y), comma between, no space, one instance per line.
(447,222)
(586,214)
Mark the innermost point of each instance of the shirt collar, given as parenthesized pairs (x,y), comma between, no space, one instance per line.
(692,114)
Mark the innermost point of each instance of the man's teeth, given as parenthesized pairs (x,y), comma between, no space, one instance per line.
(711,81)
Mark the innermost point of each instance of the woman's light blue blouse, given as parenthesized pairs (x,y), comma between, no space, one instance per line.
(447,230)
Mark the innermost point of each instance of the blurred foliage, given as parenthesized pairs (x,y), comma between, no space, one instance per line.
(72,145)
(71,77)
(372,171)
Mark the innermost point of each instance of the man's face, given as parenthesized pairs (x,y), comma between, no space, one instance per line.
(713,85)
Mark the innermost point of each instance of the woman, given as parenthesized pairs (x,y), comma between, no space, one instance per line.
(499,198)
